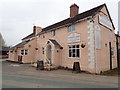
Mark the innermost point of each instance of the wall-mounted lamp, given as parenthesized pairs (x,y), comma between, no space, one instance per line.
(36,48)
(83,44)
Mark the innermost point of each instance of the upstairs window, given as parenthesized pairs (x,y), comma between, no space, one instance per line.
(53,32)
(10,52)
(71,28)
(42,36)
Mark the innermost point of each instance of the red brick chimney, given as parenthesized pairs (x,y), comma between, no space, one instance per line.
(34,29)
(74,9)
(37,29)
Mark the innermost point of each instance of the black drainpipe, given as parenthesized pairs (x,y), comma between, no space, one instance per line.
(118,61)
(110,56)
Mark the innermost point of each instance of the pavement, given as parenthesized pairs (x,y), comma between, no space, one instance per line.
(67,75)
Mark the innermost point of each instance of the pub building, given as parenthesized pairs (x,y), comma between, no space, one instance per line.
(87,38)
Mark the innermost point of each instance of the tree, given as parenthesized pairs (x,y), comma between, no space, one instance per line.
(2,41)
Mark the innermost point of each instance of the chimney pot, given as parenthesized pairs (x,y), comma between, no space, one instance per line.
(34,29)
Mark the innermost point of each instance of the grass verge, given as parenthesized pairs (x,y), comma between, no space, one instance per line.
(114,72)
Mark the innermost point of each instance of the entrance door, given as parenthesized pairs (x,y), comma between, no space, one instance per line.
(49,52)
(20,59)
(110,48)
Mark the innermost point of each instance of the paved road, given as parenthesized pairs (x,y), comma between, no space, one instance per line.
(25,76)
(17,81)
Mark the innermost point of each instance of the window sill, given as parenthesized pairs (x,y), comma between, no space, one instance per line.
(73,58)
(23,55)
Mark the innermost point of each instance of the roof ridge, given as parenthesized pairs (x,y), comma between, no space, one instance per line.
(94,8)
(82,15)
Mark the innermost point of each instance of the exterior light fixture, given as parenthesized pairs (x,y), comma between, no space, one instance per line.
(83,44)
(36,48)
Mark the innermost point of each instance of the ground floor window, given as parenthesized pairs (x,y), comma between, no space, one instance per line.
(74,51)
(11,52)
(24,52)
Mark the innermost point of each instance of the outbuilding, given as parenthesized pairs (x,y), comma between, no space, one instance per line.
(25,51)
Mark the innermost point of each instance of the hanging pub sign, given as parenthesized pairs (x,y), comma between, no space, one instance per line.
(105,22)
(74,37)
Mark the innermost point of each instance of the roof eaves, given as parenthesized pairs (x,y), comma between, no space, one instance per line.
(63,25)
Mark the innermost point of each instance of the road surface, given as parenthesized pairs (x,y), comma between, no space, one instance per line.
(24,76)
(18,81)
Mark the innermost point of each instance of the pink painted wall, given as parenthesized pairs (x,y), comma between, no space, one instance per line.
(103,54)
(25,58)
(101,61)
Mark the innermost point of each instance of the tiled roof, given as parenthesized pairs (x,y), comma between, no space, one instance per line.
(4,48)
(55,43)
(21,44)
(80,16)
(29,36)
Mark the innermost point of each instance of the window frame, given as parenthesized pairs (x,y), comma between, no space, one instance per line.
(112,51)
(53,33)
(11,52)
(24,52)
(72,57)
(42,36)
(72,28)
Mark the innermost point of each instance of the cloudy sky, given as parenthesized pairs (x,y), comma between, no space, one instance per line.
(18,17)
